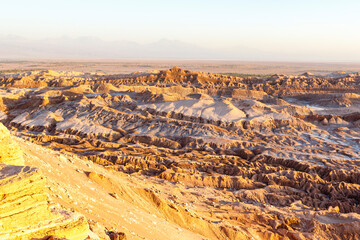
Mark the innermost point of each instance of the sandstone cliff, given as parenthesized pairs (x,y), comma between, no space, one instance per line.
(25,210)
(205,154)
(10,152)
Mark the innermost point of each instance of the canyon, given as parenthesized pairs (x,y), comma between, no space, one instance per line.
(178,154)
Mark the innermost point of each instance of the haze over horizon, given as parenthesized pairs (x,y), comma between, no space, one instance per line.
(229,30)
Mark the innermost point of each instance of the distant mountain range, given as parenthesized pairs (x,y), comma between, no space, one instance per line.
(92,47)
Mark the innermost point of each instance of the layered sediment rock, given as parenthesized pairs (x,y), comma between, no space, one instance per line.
(25,210)
(257,157)
(10,152)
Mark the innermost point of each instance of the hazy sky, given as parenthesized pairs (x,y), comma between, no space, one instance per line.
(286,29)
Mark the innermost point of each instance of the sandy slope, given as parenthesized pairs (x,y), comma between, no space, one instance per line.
(69,186)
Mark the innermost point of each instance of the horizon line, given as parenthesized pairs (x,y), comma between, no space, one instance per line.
(4,59)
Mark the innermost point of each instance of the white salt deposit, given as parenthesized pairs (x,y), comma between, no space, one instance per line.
(207,109)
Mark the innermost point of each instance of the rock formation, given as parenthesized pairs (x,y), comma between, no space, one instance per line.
(221,156)
(10,153)
(25,210)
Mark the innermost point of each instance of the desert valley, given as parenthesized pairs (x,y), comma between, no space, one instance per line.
(179,154)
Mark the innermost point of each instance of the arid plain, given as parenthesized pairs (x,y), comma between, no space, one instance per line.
(214,66)
(146,150)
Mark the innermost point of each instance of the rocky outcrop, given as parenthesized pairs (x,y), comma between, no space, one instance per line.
(10,152)
(25,210)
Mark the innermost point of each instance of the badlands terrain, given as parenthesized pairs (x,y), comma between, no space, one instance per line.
(177,154)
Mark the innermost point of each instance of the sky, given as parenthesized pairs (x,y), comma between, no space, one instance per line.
(317,30)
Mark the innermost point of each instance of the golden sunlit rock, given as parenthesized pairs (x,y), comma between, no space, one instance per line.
(179,154)
(25,210)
